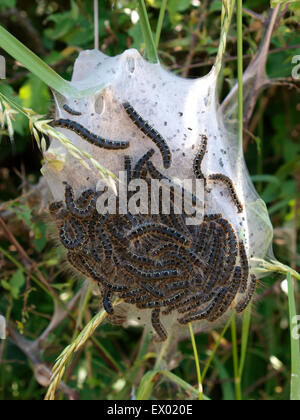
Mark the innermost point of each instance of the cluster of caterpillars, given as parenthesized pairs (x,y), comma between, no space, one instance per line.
(156,262)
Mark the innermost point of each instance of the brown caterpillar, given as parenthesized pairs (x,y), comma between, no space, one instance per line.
(161,303)
(72,235)
(229,296)
(207,312)
(227,181)
(151,133)
(88,199)
(107,305)
(141,163)
(193,302)
(245,267)
(241,306)
(199,158)
(71,111)
(162,231)
(155,263)
(92,138)
(152,275)
(128,168)
(160,330)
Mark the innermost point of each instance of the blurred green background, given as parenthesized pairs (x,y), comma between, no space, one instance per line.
(57,32)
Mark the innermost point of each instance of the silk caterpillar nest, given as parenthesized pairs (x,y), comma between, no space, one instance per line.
(153,125)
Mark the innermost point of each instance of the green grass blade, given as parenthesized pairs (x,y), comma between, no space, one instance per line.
(160,22)
(225,379)
(33,63)
(237,379)
(150,48)
(146,386)
(227,12)
(214,351)
(245,337)
(183,384)
(200,387)
(149,379)
(239,11)
(295,350)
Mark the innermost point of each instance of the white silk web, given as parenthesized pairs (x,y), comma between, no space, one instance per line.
(181,111)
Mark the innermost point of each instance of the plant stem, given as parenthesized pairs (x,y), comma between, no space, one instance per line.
(239,10)
(96,24)
(150,48)
(245,337)
(34,64)
(200,387)
(62,361)
(160,21)
(237,378)
(162,352)
(13,104)
(213,353)
(227,12)
(295,351)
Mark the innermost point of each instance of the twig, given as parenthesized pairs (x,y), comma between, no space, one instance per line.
(96,23)
(254,15)
(41,371)
(26,26)
(62,361)
(233,58)
(29,264)
(257,66)
(195,37)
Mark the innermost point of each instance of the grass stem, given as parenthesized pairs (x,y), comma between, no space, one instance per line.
(150,48)
(239,11)
(237,378)
(35,64)
(214,351)
(160,22)
(62,361)
(198,369)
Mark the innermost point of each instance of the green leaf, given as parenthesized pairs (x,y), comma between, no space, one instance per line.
(34,64)
(266,178)
(149,379)
(63,25)
(40,240)
(8,4)
(150,47)
(216,6)
(24,213)
(75,12)
(227,388)
(15,284)
(35,95)
(178,5)
(146,386)
(20,122)
(275,3)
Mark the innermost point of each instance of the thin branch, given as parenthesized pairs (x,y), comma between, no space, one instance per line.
(195,37)
(257,65)
(254,15)
(96,23)
(26,26)
(41,371)
(208,63)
